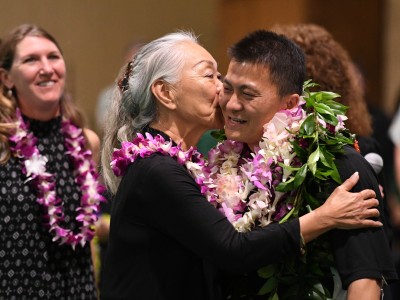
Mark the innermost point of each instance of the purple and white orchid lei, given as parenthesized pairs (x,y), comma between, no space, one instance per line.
(146,145)
(34,167)
(243,187)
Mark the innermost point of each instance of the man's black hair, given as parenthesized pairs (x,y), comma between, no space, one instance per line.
(282,57)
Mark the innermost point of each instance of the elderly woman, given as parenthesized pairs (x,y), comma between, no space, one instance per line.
(166,240)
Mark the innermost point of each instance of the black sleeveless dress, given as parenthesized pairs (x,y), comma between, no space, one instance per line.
(32,266)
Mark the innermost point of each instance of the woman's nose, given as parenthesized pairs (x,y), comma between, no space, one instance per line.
(219,85)
(46,66)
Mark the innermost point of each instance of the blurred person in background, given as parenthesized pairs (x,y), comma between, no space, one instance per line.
(105,96)
(394,134)
(102,110)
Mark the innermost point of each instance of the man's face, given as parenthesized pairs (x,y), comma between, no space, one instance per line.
(249,101)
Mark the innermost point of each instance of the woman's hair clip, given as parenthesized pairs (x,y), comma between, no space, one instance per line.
(123,82)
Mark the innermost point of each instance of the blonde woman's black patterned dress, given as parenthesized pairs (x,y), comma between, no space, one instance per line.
(32,266)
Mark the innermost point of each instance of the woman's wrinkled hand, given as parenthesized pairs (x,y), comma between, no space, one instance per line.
(346,210)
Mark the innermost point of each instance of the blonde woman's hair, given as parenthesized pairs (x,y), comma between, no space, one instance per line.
(8,98)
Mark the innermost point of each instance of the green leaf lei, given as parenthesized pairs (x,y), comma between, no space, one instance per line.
(316,145)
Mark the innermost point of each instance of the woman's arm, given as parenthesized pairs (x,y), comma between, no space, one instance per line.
(167,197)
(342,210)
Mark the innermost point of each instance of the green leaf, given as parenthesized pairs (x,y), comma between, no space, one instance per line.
(337,108)
(286,186)
(300,176)
(325,157)
(295,181)
(308,83)
(323,95)
(323,109)
(311,200)
(312,161)
(335,175)
(274,297)
(267,271)
(219,135)
(290,168)
(288,215)
(270,285)
(308,126)
(329,118)
(324,175)
(300,152)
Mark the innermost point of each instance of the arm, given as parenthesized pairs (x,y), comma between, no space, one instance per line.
(174,205)
(362,256)
(342,210)
(366,289)
(165,197)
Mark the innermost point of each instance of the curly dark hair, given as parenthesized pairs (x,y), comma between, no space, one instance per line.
(330,65)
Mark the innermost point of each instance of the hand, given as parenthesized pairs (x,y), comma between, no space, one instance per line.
(103,227)
(346,210)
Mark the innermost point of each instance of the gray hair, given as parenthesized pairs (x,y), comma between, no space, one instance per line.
(135,106)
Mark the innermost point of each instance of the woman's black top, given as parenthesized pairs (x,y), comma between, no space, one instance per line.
(167,241)
(32,266)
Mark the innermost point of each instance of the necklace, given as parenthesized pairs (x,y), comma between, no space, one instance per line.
(242,185)
(146,145)
(34,167)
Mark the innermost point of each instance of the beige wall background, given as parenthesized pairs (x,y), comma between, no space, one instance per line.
(94,33)
(368,29)
(391,55)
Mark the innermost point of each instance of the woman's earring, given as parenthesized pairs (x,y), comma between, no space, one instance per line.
(9,93)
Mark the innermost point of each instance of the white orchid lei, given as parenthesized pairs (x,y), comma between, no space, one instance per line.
(257,189)
(294,162)
(243,187)
(23,144)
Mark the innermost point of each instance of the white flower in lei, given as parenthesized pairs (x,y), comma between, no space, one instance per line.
(242,186)
(286,176)
(35,165)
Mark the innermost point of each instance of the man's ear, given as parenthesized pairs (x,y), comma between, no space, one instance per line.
(164,93)
(292,100)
